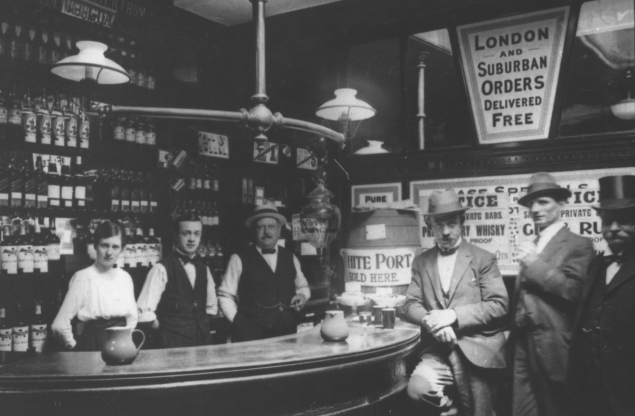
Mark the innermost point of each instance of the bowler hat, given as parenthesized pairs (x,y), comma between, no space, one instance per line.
(543,184)
(265,210)
(444,202)
(616,192)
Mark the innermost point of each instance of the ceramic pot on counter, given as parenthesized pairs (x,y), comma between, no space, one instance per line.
(334,328)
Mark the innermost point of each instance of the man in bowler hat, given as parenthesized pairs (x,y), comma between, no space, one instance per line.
(263,288)
(458,297)
(548,291)
(602,367)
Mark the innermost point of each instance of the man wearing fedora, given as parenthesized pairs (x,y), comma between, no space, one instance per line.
(547,294)
(458,297)
(263,288)
(602,368)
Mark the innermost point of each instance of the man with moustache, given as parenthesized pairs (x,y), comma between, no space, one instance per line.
(263,288)
(602,368)
(179,292)
(458,297)
(548,292)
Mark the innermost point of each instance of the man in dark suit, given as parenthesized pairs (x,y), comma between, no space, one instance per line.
(602,373)
(458,297)
(548,292)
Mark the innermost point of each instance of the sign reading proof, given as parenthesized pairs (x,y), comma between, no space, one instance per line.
(511,68)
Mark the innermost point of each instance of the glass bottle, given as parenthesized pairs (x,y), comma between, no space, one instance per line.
(119,129)
(30,185)
(15,43)
(59,122)
(90,245)
(24,244)
(8,251)
(44,120)
(40,255)
(53,48)
(67,188)
(4,111)
(154,248)
(52,243)
(4,52)
(5,188)
(142,249)
(115,191)
(20,330)
(151,134)
(28,46)
(125,192)
(14,109)
(29,118)
(131,130)
(71,124)
(41,51)
(130,251)
(16,183)
(38,329)
(84,129)
(42,184)
(6,330)
(140,133)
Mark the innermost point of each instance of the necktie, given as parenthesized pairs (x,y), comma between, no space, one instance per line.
(268,251)
(185,259)
(447,252)
(613,258)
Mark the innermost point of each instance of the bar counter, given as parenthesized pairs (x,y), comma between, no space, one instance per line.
(290,375)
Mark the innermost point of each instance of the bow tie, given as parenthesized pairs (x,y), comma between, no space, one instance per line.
(268,251)
(185,259)
(613,258)
(447,252)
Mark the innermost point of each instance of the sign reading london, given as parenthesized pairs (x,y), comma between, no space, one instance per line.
(511,68)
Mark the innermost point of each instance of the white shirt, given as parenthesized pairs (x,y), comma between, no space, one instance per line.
(612,269)
(228,289)
(95,295)
(546,234)
(154,287)
(445,267)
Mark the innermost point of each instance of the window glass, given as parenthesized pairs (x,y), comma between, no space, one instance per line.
(374,71)
(447,120)
(600,94)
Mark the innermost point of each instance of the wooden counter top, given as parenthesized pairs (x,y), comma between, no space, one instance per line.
(221,371)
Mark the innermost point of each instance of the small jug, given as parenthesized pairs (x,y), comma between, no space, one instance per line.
(334,328)
(119,349)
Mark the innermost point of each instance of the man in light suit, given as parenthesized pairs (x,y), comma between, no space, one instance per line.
(602,365)
(548,292)
(458,297)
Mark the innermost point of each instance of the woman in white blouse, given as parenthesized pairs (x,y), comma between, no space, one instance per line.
(101,296)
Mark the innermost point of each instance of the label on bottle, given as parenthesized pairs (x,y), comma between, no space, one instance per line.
(84,134)
(199,183)
(119,132)
(59,130)
(80,192)
(153,206)
(44,126)
(40,259)
(41,54)
(25,258)
(20,338)
(151,138)
(9,257)
(90,249)
(131,135)
(140,137)
(136,207)
(29,124)
(114,205)
(153,254)
(142,255)
(54,191)
(215,185)
(38,336)
(150,81)
(143,206)
(125,205)
(4,115)
(130,255)
(207,184)
(16,192)
(6,339)
(53,251)
(67,192)
(4,192)
(71,132)
(15,116)
(30,193)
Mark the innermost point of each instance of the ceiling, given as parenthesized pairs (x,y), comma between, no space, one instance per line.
(233,12)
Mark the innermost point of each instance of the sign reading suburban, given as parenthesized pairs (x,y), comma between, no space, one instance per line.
(511,68)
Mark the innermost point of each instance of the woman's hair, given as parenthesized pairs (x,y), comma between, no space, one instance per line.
(109,229)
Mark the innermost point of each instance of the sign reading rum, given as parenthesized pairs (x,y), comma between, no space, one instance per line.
(511,68)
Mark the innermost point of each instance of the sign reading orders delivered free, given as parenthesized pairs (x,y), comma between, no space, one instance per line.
(511,68)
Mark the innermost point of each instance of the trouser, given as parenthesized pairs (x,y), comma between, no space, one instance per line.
(438,373)
(534,394)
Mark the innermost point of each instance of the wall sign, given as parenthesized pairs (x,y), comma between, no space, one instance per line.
(378,267)
(267,155)
(213,145)
(305,160)
(373,195)
(497,223)
(511,67)
(89,11)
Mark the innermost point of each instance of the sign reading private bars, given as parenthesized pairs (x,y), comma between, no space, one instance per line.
(511,68)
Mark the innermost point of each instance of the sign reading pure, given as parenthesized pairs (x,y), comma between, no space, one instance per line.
(378,267)
(511,67)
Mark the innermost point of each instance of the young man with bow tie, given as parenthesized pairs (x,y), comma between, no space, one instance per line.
(548,292)
(458,297)
(179,291)
(263,288)
(602,367)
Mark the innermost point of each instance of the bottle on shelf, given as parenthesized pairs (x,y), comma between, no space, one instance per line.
(44,120)
(141,71)
(131,64)
(67,187)
(30,185)
(79,241)
(38,329)
(29,118)
(4,53)
(131,131)
(28,46)
(130,251)
(5,188)
(71,127)
(119,129)
(54,47)
(41,51)
(115,191)
(15,43)
(65,46)
(54,197)
(150,82)
(59,122)
(24,244)
(80,183)
(52,241)
(42,184)
(40,254)
(4,112)
(6,330)
(8,251)
(151,134)
(14,107)
(140,133)
(135,191)
(154,248)
(125,192)
(84,129)
(142,249)
(20,330)
(16,184)
(90,246)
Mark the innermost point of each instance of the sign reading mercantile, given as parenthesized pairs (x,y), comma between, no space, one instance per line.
(511,67)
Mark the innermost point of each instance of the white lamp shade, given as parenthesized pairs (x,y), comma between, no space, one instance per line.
(91,63)
(345,106)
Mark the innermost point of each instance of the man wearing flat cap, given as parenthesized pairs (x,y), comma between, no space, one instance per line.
(263,288)
(548,292)
(602,368)
(458,297)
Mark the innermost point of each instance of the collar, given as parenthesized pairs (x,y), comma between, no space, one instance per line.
(451,250)
(185,259)
(264,251)
(551,230)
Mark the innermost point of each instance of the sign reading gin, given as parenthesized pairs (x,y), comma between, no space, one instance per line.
(511,68)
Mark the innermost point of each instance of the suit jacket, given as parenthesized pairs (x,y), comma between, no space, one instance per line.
(548,298)
(477,294)
(617,331)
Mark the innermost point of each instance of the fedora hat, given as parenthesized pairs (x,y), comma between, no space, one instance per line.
(444,202)
(616,192)
(265,210)
(543,184)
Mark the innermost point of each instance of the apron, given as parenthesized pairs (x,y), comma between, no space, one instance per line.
(95,335)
